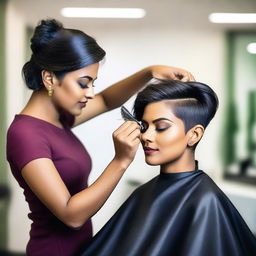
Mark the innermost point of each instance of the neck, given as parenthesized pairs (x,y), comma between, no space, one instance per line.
(41,106)
(184,163)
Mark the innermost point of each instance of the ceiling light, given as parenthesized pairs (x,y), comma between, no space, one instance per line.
(233,17)
(251,48)
(128,13)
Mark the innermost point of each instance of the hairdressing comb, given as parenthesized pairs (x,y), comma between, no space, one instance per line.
(126,115)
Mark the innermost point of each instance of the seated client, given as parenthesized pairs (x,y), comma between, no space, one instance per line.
(180,212)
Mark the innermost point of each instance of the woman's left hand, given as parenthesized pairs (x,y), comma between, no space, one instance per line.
(173,73)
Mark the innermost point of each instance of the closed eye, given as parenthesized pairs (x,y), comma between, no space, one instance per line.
(84,85)
(162,129)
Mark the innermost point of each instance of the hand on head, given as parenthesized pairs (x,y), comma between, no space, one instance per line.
(171,73)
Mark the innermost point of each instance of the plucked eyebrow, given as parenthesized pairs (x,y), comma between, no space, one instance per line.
(159,119)
(88,77)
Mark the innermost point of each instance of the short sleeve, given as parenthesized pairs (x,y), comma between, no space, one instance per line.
(24,146)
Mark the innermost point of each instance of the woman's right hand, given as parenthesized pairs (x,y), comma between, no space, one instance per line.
(126,141)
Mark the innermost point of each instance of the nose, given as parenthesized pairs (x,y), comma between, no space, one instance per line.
(89,93)
(148,135)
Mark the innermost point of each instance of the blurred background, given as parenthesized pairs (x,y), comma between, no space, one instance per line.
(172,32)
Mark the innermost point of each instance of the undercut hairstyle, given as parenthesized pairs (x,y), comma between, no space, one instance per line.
(193,102)
(59,50)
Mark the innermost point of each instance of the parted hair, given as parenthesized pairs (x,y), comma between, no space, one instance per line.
(59,50)
(193,102)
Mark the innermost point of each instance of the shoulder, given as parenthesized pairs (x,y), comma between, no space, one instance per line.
(24,127)
(144,187)
(208,191)
(27,140)
(26,134)
(209,185)
(23,121)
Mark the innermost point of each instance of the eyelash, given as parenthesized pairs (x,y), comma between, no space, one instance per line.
(162,129)
(157,129)
(84,86)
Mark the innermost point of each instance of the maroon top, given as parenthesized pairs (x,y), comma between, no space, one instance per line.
(30,138)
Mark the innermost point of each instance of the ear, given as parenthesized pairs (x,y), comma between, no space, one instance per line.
(48,79)
(195,134)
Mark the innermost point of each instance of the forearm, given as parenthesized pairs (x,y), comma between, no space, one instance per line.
(117,94)
(86,203)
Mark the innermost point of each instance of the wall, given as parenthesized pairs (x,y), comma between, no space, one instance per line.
(18,223)
(244,199)
(3,178)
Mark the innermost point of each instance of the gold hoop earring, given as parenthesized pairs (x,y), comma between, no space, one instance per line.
(50,91)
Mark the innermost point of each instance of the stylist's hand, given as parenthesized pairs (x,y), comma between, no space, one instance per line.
(126,142)
(173,73)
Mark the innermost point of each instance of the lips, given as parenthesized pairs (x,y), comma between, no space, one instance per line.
(149,151)
(82,103)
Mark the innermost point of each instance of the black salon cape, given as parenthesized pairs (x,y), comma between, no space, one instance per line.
(175,214)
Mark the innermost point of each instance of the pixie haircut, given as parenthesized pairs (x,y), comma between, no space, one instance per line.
(59,50)
(193,102)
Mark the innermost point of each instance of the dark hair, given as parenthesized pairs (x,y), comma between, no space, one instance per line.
(195,103)
(59,50)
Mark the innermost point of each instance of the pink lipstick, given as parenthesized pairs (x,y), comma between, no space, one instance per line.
(149,151)
(82,104)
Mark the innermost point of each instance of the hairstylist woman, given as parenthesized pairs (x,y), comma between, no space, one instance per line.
(47,160)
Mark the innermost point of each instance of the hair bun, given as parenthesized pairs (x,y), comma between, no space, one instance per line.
(45,31)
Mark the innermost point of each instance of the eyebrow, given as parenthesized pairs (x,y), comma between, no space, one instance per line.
(159,119)
(88,77)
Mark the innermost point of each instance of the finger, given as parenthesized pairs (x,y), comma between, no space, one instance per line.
(136,142)
(131,130)
(188,77)
(171,76)
(127,129)
(134,135)
(180,76)
(191,77)
(123,127)
(185,78)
